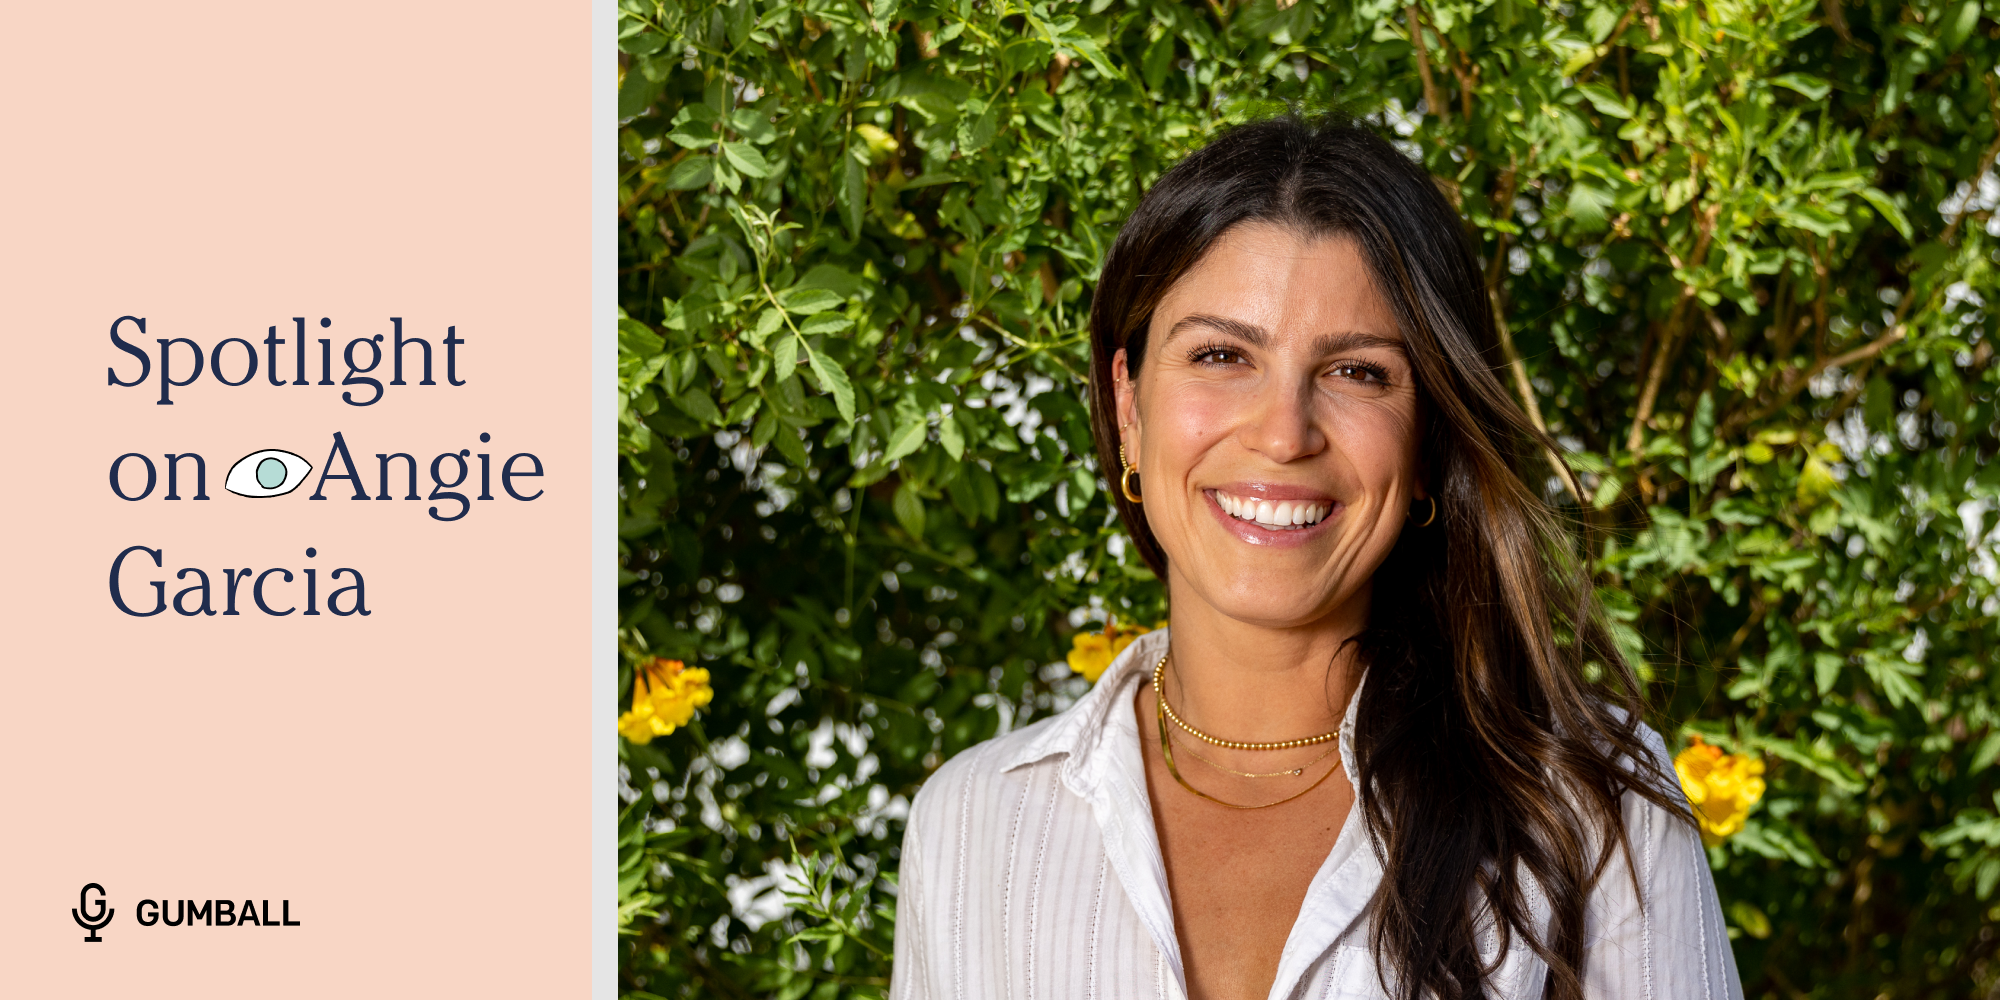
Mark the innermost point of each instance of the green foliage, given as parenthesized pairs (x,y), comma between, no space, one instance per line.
(1743,252)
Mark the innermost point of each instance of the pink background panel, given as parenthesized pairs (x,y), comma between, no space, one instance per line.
(415,782)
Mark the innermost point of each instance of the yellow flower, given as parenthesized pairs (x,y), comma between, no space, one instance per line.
(665,694)
(1720,786)
(1091,652)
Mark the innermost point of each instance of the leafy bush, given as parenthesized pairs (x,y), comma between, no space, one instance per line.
(1743,250)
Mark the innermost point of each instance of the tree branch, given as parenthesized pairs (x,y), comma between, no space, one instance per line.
(1431,101)
(1670,341)
(1527,392)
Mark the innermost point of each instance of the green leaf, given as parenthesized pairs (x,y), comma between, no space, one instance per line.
(806,301)
(768,322)
(1088,48)
(1082,486)
(1815,480)
(1893,677)
(1826,670)
(700,138)
(951,437)
(1606,100)
(907,438)
(1701,432)
(726,176)
(884,14)
(745,157)
(698,404)
(785,354)
(1812,87)
(826,322)
(909,509)
(1890,212)
(790,445)
(1587,205)
(743,408)
(1033,483)
(637,339)
(1879,405)
(752,125)
(1752,920)
(1158,59)
(976,125)
(693,172)
(851,194)
(1958,24)
(1608,490)
(636,93)
(1812,219)
(636,39)
(1989,748)
(832,379)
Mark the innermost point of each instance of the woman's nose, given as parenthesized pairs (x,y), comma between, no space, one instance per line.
(1281,424)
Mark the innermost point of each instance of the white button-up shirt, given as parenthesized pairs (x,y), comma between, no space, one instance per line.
(1031,868)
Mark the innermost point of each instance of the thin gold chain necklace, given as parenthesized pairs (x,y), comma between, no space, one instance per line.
(1159,669)
(1289,773)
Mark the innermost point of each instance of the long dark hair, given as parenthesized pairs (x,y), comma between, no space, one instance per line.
(1499,727)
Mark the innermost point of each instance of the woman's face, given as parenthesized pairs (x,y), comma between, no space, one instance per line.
(1274,426)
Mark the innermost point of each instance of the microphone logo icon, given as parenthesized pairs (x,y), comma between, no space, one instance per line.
(98,919)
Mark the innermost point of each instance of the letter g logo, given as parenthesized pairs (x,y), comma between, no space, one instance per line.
(98,919)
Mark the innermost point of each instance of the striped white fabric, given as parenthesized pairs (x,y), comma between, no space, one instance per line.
(1031,869)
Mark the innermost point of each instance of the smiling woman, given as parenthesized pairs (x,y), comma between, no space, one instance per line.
(1293,372)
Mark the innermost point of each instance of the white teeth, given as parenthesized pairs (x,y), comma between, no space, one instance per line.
(1282,514)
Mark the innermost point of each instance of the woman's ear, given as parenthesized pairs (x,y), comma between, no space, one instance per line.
(1126,392)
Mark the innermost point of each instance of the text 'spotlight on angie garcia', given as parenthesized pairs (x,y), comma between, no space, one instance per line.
(268,473)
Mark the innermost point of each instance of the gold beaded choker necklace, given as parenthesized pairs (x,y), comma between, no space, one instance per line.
(1159,669)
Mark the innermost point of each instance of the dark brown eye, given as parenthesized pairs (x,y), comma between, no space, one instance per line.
(1219,357)
(1359,372)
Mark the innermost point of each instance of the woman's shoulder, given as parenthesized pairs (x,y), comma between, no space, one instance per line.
(1067,748)
(1652,745)
(1654,764)
(976,776)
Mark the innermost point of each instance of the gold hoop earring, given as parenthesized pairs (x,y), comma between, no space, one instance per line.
(1434,513)
(1125,478)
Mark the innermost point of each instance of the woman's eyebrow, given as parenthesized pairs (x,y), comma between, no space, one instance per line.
(1336,343)
(1251,333)
(1257,336)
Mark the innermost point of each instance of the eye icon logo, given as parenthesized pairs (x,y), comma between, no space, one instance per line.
(272,472)
(97,919)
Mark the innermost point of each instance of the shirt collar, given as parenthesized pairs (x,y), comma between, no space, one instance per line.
(1105,767)
(1077,731)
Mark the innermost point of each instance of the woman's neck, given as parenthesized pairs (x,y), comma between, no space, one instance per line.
(1240,681)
